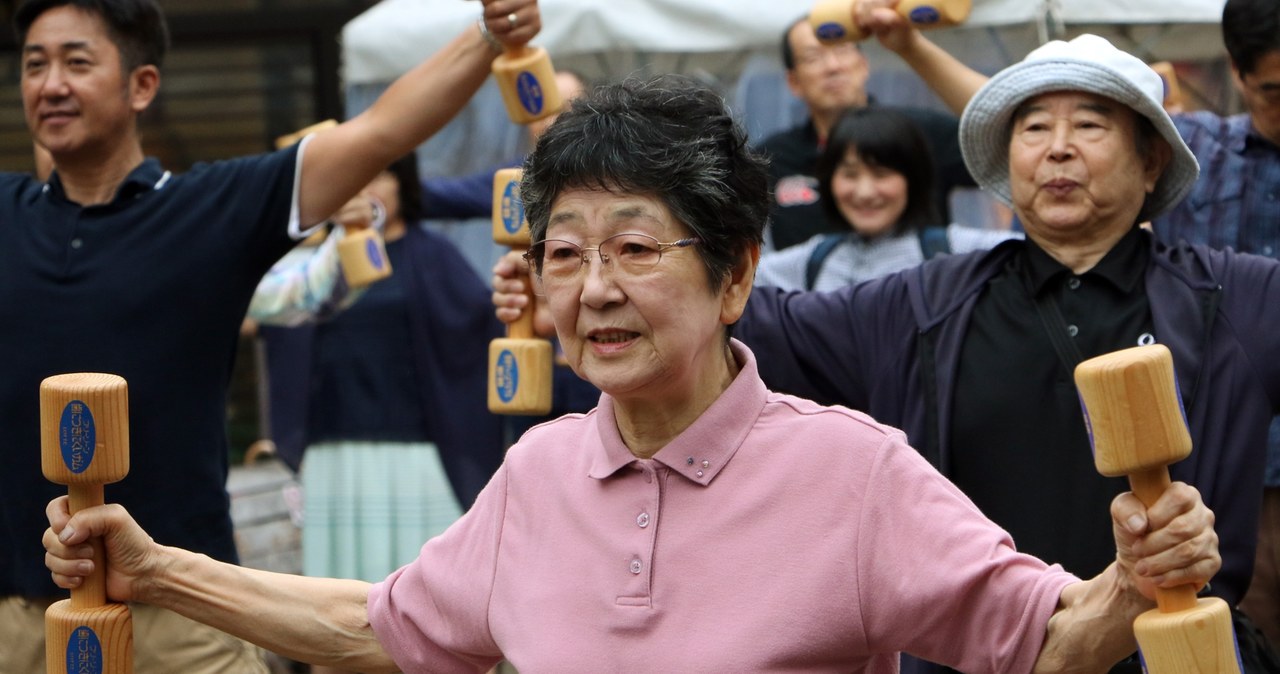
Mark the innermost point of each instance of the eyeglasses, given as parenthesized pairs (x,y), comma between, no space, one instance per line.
(809,58)
(558,262)
(1268,91)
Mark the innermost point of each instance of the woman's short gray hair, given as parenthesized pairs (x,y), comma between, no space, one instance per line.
(669,137)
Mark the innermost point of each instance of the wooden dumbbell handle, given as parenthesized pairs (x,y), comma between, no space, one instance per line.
(92,592)
(522,328)
(1148,485)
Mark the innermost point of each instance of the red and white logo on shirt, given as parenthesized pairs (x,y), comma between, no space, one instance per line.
(796,191)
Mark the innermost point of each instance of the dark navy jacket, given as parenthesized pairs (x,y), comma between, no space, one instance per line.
(890,347)
(451,323)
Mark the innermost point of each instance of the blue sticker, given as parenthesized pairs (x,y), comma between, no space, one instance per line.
(76,436)
(829,31)
(506,376)
(372,252)
(529,91)
(84,652)
(924,16)
(512,208)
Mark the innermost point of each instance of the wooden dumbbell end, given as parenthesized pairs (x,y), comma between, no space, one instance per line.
(935,13)
(363,257)
(1132,410)
(832,22)
(84,428)
(527,81)
(98,640)
(520,376)
(1198,640)
(510,228)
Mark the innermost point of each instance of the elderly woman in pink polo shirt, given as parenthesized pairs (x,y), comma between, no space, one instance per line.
(694,521)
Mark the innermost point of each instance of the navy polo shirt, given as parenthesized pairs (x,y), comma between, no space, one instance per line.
(152,287)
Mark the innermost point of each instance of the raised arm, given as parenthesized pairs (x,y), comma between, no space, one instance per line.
(954,82)
(339,161)
(315,620)
(1169,545)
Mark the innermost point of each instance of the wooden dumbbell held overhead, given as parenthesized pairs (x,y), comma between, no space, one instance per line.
(361,252)
(520,363)
(1137,427)
(832,20)
(84,444)
(527,81)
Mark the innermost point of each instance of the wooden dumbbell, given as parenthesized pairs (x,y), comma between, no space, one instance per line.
(520,363)
(361,252)
(832,20)
(1137,427)
(527,81)
(84,444)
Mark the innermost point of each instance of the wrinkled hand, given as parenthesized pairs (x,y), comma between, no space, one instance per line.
(132,556)
(359,212)
(528,20)
(1172,543)
(511,274)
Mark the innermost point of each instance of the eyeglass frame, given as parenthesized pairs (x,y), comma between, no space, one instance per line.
(583,258)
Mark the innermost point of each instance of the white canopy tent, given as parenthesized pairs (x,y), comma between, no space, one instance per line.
(734,45)
(394,34)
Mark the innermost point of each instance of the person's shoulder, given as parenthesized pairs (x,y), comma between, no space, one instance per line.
(551,441)
(808,416)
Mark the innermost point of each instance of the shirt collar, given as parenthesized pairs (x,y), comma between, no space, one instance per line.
(1123,266)
(145,177)
(703,449)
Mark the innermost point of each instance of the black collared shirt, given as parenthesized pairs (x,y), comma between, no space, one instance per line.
(1019,445)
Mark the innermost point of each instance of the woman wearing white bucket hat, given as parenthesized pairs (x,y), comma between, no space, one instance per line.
(1074,138)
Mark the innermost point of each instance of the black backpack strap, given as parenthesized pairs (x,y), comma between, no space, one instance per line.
(819,257)
(934,241)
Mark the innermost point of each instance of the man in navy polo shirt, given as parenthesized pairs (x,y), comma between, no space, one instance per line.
(116,265)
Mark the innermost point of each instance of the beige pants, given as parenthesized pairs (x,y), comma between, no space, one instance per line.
(163,642)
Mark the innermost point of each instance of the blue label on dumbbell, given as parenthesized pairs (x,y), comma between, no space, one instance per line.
(506,376)
(830,31)
(374,253)
(512,208)
(529,91)
(924,16)
(84,652)
(76,436)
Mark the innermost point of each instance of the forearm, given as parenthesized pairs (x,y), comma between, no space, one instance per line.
(1093,626)
(340,161)
(954,82)
(314,620)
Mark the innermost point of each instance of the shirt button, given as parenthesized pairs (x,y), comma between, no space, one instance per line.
(636,566)
(1073,283)
(77,242)
(642,520)
(1073,330)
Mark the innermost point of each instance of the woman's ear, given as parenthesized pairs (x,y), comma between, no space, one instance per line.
(737,287)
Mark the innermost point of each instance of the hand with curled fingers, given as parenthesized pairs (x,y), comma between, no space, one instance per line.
(132,556)
(512,22)
(1172,543)
(510,300)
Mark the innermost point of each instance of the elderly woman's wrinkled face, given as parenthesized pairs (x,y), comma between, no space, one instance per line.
(643,323)
(1074,167)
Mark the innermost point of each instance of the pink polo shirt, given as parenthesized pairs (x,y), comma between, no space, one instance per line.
(772,535)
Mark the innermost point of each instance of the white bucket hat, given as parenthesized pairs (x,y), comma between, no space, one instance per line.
(1088,63)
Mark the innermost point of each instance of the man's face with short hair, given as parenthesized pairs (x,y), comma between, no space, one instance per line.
(1260,93)
(828,78)
(75,94)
